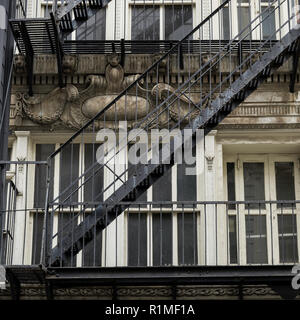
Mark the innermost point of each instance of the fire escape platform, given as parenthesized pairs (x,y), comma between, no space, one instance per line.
(255,274)
(53,280)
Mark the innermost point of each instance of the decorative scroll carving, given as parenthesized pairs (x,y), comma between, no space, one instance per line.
(72,109)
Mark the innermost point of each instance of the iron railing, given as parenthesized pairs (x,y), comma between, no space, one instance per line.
(168,233)
(24,214)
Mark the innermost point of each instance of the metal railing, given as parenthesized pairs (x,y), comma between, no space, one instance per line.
(166,233)
(23,218)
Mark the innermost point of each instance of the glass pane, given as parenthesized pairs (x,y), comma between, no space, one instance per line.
(143,197)
(38,220)
(226,24)
(65,226)
(162,189)
(268,23)
(43,151)
(178,21)
(187,181)
(287,231)
(231,184)
(93,187)
(137,239)
(232,239)
(145,23)
(256,240)
(187,238)
(92,251)
(244,20)
(254,183)
(69,171)
(94,28)
(162,239)
(285,184)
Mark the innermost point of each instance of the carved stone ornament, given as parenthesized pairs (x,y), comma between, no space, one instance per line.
(72,109)
(19,64)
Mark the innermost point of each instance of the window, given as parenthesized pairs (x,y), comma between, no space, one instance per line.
(43,151)
(256,239)
(231,184)
(93,185)
(254,235)
(145,23)
(233,240)
(187,238)
(137,239)
(245,12)
(178,21)
(94,28)
(162,239)
(254,183)
(287,232)
(166,21)
(69,172)
(285,185)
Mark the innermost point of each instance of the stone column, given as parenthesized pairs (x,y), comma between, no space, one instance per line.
(22,148)
(210,195)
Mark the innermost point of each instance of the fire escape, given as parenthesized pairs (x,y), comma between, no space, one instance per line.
(219,94)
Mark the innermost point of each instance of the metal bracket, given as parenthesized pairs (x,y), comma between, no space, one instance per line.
(29,56)
(59,51)
(295,67)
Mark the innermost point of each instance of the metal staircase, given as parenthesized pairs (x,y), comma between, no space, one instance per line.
(213,85)
(47,35)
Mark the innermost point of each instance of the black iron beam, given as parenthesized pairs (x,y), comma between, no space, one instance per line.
(295,67)
(28,57)
(181,275)
(59,51)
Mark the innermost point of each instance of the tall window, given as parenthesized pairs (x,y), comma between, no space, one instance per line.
(165,22)
(94,28)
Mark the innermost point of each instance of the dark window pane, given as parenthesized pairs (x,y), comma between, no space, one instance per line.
(226,24)
(162,189)
(43,151)
(244,20)
(231,184)
(137,239)
(142,198)
(287,231)
(232,239)
(186,183)
(145,23)
(38,220)
(285,184)
(268,23)
(178,21)
(254,183)
(93,187)
(187,238)
(69,171)
(92,250)
(256,240)
(94,28)
(162,239)
(67,222)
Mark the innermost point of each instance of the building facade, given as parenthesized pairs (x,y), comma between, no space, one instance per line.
(235,209)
